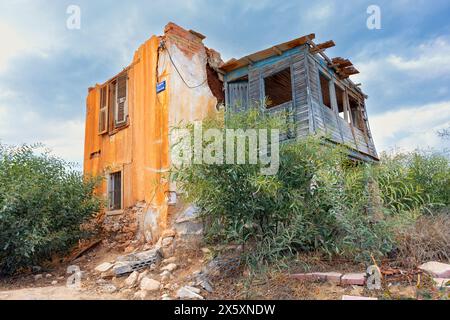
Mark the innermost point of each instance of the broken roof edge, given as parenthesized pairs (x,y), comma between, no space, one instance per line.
(277,49)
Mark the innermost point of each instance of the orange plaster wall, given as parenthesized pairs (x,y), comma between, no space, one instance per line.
(141,150)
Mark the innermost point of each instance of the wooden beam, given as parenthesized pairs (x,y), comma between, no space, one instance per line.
(277,51)
(322,46)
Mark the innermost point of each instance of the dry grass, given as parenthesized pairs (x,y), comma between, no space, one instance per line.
(428,239)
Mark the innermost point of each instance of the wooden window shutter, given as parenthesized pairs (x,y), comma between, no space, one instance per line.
(121,112)
(103,115)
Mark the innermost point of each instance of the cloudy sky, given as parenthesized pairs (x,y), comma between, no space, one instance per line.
(45,68)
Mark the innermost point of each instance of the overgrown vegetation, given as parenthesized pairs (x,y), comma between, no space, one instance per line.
(318,201)
(43,204)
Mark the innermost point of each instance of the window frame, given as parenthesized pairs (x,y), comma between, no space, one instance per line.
(124,122)
(103,110)
(271,74)
(110,191)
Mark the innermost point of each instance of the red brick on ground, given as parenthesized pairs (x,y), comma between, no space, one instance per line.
(358,279)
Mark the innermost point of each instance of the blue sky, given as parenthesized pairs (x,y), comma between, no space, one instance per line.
(45,68)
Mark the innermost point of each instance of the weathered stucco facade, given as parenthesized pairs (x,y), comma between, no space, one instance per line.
(132,140)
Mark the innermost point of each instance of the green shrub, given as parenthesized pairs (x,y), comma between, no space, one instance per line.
(316,201)
(43,204)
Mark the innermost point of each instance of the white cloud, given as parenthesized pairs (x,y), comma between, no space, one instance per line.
(431,59)
(411,127)
(15,44)
(428,60)
(64,137)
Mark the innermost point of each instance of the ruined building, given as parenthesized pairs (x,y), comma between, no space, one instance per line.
(174,78)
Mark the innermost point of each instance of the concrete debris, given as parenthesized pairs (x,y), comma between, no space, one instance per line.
(149,284)
(436,269)
(105,266)
(186,293)
(137,261)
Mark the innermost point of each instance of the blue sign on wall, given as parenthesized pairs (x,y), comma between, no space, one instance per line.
(161,86)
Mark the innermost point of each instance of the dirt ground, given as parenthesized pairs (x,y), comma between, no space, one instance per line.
(234,283)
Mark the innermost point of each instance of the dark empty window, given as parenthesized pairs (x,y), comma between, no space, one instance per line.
(340,101)
(278,88)
(325,89)
(357,120)
(115,191)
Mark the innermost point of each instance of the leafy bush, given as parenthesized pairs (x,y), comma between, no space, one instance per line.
(43,203)
(316,200)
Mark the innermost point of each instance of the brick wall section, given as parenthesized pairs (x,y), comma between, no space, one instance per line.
(188,42)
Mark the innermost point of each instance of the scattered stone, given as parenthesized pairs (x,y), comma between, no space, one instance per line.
(358,279)
(149,284)
(38,277)
(142,275)
(169,260)
(101,281)
(186,293)
(108,288)
(170,267)
(54,282)
(127,291)
(436,269)
(169,233)
(48,275)
(105,266)
(132,279)
(60,278)
(206,250)
(165,276)
(187,224)
(167,241)
(140,295)
(357,298)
